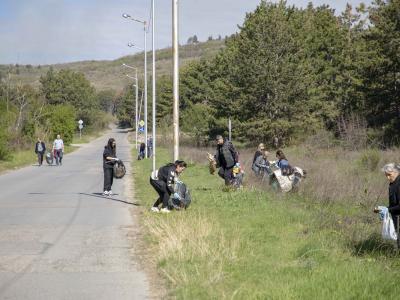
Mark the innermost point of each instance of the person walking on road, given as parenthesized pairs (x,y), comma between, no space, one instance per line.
(163,182)
(109,159)
(226,158)
(40,148)
(58,150)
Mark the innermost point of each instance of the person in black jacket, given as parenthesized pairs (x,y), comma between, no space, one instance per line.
(226,158)
(40,148)
(163,182)
(392,172)
(109,159)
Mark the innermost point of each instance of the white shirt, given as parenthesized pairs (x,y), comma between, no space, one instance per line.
(58,144)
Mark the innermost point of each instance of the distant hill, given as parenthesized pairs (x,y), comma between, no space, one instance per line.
(108,74)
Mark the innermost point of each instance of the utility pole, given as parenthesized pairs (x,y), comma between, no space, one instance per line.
(136,108)
(145,87)
(175,46)
(154,87)
(230,129)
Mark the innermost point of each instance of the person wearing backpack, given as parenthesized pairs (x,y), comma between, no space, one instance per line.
(163,182)
(226,158)
(40,148)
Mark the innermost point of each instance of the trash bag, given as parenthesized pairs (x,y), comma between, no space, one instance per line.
(49,158)
(388,230)
(119,169)
(181,197)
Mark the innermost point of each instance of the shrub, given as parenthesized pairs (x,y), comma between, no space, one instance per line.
(62,121)
(5,152)
(369,159)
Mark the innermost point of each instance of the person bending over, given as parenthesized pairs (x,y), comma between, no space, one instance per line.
(163,182)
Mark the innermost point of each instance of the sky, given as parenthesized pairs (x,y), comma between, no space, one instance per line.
(57,31)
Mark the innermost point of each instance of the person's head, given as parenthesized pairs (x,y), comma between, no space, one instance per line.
(111,143)
(391,171)
(265,153)
(261,147)
(180,166)
(38,139)
(219,139)
(58,136)
(280,155)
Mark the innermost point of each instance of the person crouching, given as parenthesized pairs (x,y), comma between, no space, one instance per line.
(163,182)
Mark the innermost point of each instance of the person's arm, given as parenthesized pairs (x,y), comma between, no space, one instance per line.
(62,145)
(235,154)
(36,148)
(396,209)
(170,180)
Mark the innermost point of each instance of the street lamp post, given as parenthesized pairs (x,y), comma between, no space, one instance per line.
(154,87)
(175,45)
(145,75)
(136,85)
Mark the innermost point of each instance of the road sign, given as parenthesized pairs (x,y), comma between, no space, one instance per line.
(141,123)
(80,122)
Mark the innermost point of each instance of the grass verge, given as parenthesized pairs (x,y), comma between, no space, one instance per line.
(252,244)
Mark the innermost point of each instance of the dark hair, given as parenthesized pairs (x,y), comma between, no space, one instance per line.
(280,154)
(110,146)
(180,163)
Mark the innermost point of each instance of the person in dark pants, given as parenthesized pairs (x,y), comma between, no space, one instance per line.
(142,151)
(226,158)
(40,148)
(392,172)
(109,159)
(163,182)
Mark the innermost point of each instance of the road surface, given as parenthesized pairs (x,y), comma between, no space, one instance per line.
(60,239)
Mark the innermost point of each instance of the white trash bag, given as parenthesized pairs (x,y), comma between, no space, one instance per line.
(388,230)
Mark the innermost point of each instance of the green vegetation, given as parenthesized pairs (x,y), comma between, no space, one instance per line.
(255,244)
(290,72)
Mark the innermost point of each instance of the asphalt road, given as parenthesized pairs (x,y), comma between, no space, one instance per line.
(60,239)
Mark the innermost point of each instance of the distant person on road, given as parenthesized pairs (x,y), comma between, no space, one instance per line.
(226,158)
(109,159)
(149,147)
(142,151)
(392,172)
(163,182)
(58,149)
(40,148)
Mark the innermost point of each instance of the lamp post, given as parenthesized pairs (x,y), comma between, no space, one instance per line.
(136,100)
(175,45)
(154,86)
(126,16)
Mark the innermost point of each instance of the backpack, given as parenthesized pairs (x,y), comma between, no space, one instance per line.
(119,169)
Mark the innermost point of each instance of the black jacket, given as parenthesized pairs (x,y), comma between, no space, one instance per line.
(43,146)
(257,154)
(108,152)
(226,155)
(394,197)
(167,174)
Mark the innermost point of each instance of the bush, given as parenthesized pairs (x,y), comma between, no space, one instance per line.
(369,159)
(62,120)
(5,152)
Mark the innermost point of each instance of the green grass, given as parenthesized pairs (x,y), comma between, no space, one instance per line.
(255,245)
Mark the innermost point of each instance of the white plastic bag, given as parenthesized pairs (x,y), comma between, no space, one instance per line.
(388,231)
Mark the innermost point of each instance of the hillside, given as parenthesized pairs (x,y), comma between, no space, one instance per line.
(108,74)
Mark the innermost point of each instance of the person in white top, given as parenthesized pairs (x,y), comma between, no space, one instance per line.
(58,149)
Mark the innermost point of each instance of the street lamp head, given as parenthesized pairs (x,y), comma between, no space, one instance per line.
(126,16)
(131,45)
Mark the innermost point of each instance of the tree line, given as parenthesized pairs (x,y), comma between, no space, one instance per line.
(63,98)
(290,72)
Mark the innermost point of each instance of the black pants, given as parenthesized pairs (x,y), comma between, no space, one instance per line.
(396,220)
(108,178)
(58,154)
(163,192)
(226,174)
(40,158)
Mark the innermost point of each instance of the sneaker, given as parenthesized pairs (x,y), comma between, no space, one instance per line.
(110,192)
(105,193)
(165,210)
(155,209)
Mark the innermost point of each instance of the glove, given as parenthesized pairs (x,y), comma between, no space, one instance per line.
(176,196)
